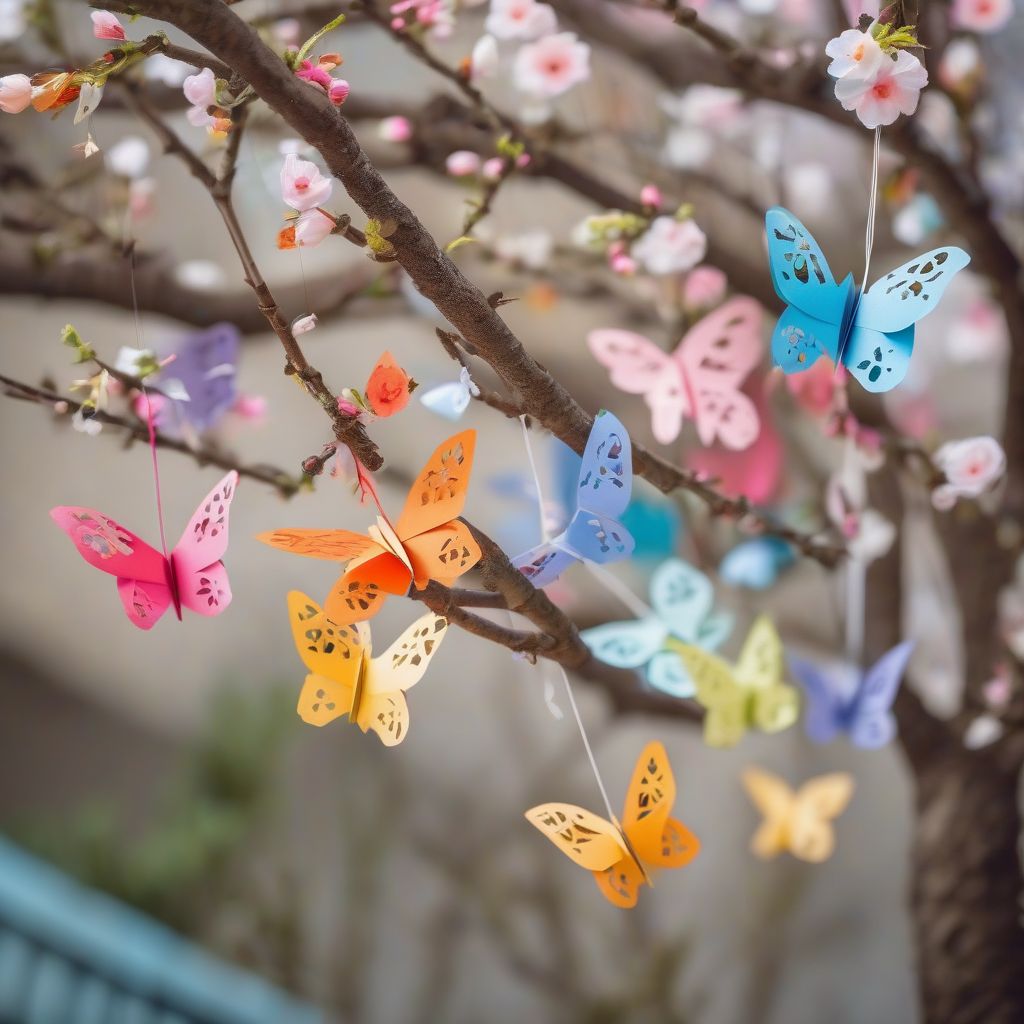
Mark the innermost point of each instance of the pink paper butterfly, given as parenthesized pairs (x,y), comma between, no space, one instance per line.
(148,582)
(700,380)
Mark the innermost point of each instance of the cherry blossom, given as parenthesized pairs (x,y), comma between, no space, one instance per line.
(704,287)
(854,54)
(670,246)
(303,187)
(312,227)
(552,65)
(201,91)
(129,157)
(462,163)
(981,15)
(304,324)
(483,61)
(395,129)
(971,466)
(520,19)
(894,90)
(15,93)
(106,26)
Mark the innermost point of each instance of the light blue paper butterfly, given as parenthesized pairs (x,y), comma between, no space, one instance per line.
(594,533)
(871,333)
(682,599)
(860,707)
(451,400)
(757,563)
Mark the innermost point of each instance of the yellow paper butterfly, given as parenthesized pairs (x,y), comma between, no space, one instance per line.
(619,855)
(345,679)
(800,821)
(751,693)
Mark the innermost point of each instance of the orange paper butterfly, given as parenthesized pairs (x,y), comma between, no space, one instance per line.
(620,856)
(427,543)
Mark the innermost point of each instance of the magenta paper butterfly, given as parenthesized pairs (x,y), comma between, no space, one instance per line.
(700,380)
(148,582)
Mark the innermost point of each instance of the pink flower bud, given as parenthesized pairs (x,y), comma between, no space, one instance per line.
(347,408)
(106,26)
(523,160)
(704,287)
(338,92)
(15,93)
(250,407)
(623,264)
(395,129)
(650,195)
(304,324)
(493,168)
(462,163)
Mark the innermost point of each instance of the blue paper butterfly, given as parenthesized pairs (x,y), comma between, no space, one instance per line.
(594,533)
(862,711)
(871,333)
(682,599)
(756,564)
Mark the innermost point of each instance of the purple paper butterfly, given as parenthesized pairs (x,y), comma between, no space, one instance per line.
(863,711)
(206,366)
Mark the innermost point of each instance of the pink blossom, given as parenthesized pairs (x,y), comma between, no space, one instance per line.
(622,263)
(250,407)
(462,163)
(961,62)
(348,407)
(894,90)
(971,467)
(106,26)
(312,227)
(551,65)
(493,169)
(302,185)
(981,15)
(315,74)
(483,61)
(854,54)
(523,160)
(979,334)
(15,93)
(304,324)
(520,19)
(338,92)
(650,195)
(815,389)
(670,246)
(395,129)
(704,287)
(200,89)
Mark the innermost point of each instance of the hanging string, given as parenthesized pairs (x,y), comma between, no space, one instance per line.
(565,677)
(615,586)
(869,235)
(128,244)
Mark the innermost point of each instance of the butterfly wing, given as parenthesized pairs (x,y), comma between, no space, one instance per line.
(142,572)
(442,554)
(818,308)
(723,699)
(626,644)
(667,673)
(682,596)
(359,593)
(823,705)
(776,802)
(656,838)
(449,400)
(199,573)
(386,714)
(544,563)
(404,663)
(439,492)
(584,838)
(716,355)
(597,538)
(620,884)
(638,367)
(759,670)
(878,361)
(606,473)
(329,545)
(333,654)
(817,803)
(205,365)
(872,723)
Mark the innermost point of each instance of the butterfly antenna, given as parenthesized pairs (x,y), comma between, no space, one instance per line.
(128,241)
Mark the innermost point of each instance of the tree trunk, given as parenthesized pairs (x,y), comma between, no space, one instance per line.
(966,890)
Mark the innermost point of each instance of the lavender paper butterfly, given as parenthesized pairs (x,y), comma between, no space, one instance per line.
(594,533)
(864,710)
(871,333)
(205,365)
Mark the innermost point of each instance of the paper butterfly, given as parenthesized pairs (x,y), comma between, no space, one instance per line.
(451,400)
(801,821)
(620,856)
(427,543)
(682,599)
(863,711)
(871,333)
(699,380)
(756,563)
(750,694)
(602,494)
(345,679)
(205,366)
(149,582)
